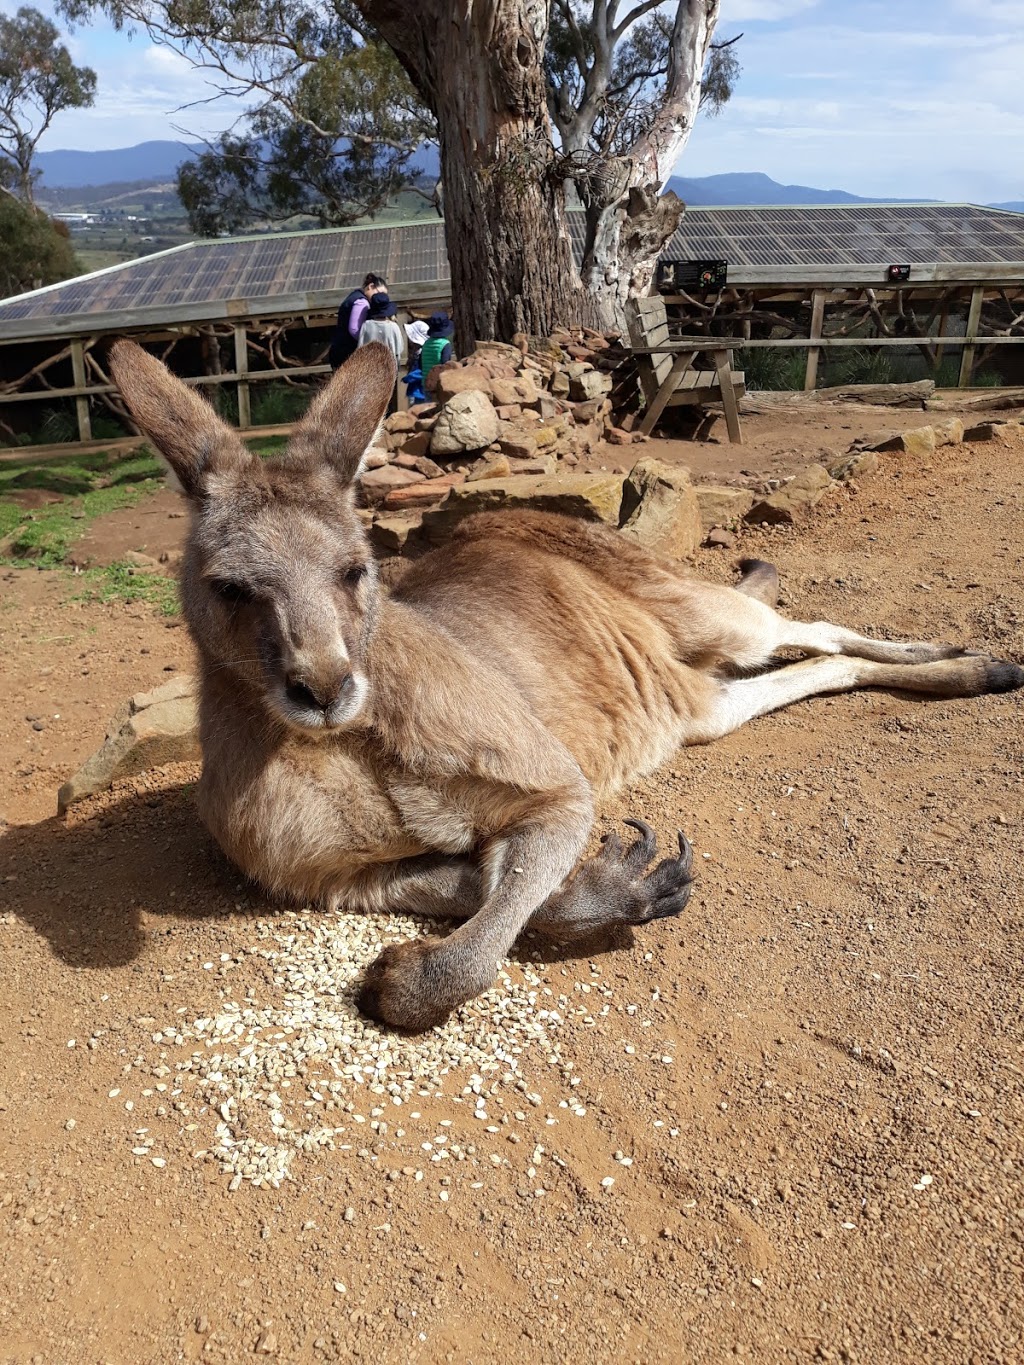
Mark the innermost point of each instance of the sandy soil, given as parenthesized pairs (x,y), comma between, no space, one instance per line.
(814,1081)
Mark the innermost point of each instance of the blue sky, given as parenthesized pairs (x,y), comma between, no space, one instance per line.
(904,98)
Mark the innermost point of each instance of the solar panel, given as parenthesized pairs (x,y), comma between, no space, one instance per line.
(259,269)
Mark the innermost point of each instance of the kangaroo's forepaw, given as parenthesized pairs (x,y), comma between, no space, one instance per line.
(404,989)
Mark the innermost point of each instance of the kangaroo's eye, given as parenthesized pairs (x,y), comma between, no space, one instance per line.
(233,594)
(353,575)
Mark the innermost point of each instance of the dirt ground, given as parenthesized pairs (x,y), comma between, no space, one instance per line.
(807,1094)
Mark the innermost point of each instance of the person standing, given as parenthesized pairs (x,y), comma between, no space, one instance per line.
(351,316)
(380,325)
(437,349)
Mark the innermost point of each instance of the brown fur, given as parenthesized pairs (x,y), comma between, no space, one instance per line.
(442,749)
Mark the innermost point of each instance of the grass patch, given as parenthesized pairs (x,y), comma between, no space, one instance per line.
(267,445)
(81,472)
(45,534)
(122,582)
(90,484)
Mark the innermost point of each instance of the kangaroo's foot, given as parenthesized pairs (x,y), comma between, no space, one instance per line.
(610,888)
(416,985)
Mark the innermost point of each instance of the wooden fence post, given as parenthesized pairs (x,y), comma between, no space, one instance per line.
(973,319)
(81,402)
(813,352)
(242,369)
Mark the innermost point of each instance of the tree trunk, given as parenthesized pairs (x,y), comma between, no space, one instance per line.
(508,241)
(623,241)
(478,65)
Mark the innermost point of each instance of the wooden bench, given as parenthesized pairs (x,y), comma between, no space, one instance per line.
(665,365)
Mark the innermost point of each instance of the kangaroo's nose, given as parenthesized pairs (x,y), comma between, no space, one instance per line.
(318,694)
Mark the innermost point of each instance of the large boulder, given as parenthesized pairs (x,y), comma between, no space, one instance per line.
(466,422)
(722,506)
(659,509)
(154,727)
(592,497)
(794,500)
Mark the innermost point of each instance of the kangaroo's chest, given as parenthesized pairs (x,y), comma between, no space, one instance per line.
(301,818)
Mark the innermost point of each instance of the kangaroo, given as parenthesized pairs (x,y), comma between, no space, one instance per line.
(440,748)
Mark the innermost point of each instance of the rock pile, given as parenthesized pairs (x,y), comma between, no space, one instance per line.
(504,411)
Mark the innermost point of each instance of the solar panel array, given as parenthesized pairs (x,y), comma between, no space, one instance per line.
(249,269)
(256,270)
(851,234)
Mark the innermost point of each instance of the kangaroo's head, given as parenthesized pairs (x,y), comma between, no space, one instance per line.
(278,585)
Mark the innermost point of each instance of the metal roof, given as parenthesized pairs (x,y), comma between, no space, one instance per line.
(300,271)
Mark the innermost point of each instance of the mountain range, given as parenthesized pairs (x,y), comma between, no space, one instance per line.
(157,162)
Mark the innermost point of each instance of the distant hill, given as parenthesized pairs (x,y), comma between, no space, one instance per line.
(154,164)
(151,162)
(753,187)
(1015,206)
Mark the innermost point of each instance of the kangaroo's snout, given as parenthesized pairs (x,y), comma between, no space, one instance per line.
(322,692)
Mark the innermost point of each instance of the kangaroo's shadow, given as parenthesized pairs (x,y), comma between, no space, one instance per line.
(83,884)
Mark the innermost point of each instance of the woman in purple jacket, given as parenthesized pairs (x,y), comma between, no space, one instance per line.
(351,316)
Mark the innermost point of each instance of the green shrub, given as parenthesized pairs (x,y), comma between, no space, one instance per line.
(772,368)
(58,426)
(275,405)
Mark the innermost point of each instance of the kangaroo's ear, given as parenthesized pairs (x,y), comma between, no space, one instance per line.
(342,420)
(181,424)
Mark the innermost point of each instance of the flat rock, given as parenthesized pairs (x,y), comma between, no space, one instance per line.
(378,483)
(592,497)
(659,509)
(416,444)
(615,436)
(400,421)
(951,433)
(916,441)
(422,494)
(375,458)
(152,728)
(854,466)
(505,391)
(466,422)
(990,431)
(718,538)
(590,384)
(496,468)
(390,532)
(463,379)
(519,445)
(722,506)
(794,500)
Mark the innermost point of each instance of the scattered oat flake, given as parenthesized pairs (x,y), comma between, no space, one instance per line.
(924,1182)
